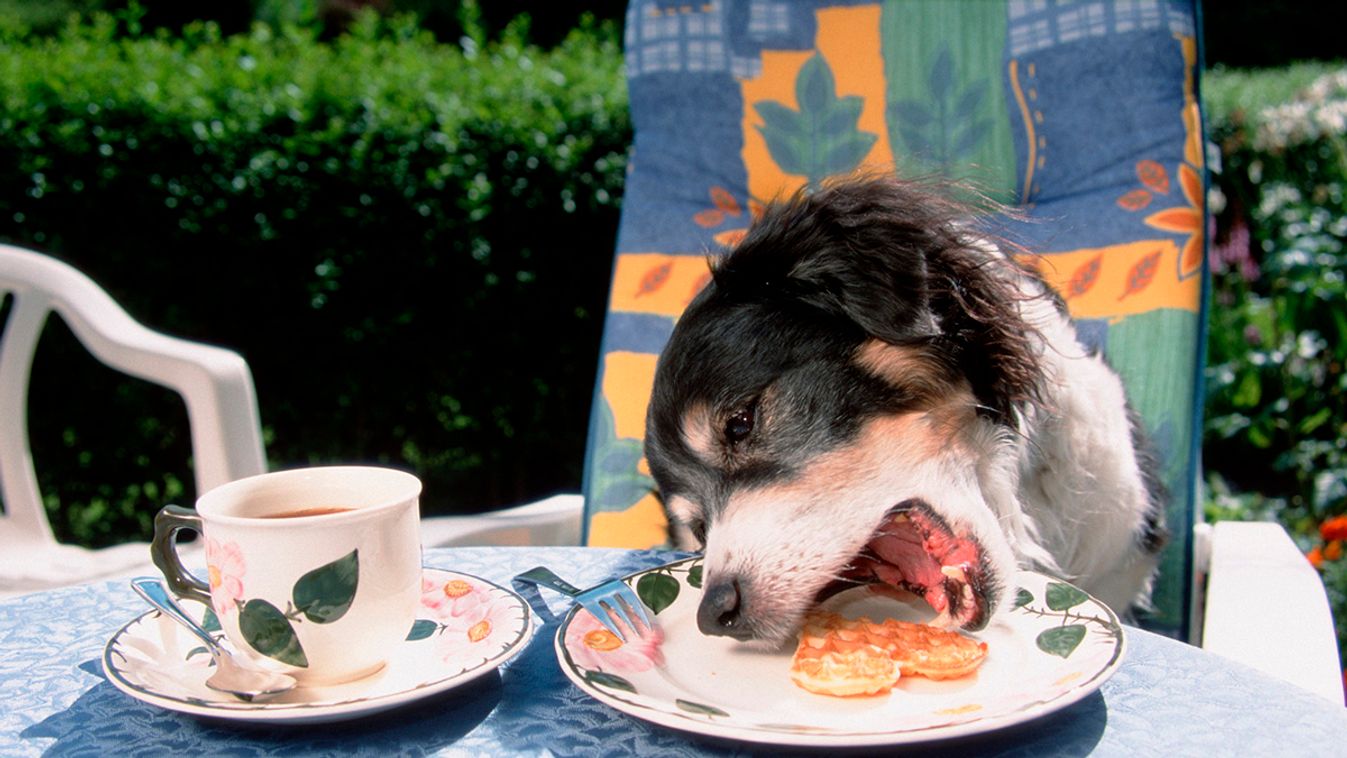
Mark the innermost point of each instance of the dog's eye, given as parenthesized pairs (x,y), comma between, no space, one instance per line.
(739,425)
(698,528)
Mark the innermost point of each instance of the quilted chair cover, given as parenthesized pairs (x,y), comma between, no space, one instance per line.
(1083,114)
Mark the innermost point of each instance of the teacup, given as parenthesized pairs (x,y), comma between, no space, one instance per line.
(315,572)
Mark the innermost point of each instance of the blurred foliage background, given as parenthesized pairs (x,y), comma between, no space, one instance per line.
(402,213)
(408,240)
(1275,442)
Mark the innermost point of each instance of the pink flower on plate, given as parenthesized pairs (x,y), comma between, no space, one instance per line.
(226,568)
(592,646)
(457,604)
(497,627)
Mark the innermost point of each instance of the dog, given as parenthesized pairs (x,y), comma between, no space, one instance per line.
(869,391)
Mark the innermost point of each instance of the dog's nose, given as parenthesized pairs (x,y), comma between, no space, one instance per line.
(720,612)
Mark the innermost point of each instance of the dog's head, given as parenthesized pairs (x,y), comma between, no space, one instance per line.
(824,408)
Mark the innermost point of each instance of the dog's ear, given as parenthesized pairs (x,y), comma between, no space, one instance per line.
(882,288)
(903,263)
(976,293)
(856,250)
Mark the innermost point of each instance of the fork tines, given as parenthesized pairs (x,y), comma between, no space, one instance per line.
(613,602)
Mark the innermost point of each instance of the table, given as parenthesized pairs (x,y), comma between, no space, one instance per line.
(1167,699)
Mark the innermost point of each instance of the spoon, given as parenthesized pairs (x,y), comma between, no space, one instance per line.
(231,676)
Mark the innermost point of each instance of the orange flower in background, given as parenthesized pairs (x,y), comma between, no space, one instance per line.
(1334,529)
(1333,550)
(1189,219)
(1315,556)
(1333,532)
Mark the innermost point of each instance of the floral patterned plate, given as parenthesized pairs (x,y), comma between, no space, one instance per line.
(1055,646)
(467,627)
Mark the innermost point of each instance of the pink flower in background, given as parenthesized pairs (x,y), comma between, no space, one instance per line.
(226,568)
(1235,252)
(592,646)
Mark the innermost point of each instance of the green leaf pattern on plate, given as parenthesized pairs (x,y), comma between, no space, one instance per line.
(1061,641)
(1060,598)
(1063,597)
(611,681)
(699,709)
(695,576)
(421,629)
(657,591)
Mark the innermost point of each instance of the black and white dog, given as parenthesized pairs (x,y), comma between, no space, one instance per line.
(869,391)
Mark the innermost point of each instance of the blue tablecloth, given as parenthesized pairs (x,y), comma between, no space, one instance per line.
(1167,699)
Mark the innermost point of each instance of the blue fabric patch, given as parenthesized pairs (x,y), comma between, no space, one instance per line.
(636,332)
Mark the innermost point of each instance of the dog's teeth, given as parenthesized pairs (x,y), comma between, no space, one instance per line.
(956,573)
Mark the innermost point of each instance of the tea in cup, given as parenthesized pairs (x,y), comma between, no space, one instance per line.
(315,572)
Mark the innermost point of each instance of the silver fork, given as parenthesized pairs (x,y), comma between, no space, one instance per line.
(609,602)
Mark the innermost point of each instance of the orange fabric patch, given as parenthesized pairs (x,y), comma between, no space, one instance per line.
(641,526)
(848,39)
(656,283)
(627,381)
(1121,280)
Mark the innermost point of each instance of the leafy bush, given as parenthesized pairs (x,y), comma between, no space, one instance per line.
(1276,430)
(409,242)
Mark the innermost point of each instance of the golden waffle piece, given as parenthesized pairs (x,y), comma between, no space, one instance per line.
(863,670)
(841,656)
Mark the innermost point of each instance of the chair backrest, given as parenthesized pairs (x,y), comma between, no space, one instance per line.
(215,383)
(1085,115)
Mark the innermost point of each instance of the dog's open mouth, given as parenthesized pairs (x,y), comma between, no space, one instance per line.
(914,549)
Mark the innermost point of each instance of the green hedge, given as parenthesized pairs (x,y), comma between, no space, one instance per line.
(409,242)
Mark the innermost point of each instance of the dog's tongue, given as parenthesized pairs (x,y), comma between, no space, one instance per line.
(905,558)
(915,551)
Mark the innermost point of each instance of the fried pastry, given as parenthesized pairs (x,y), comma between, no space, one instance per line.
(821,666)
(841,656)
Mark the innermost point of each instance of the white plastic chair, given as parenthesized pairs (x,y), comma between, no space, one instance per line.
(222,410)
(215,384)
(553,521)
(1262,604)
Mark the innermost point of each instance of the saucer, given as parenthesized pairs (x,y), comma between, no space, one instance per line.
(466,627)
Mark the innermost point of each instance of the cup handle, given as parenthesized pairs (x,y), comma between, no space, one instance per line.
(164,552)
